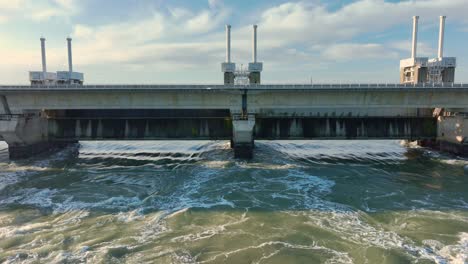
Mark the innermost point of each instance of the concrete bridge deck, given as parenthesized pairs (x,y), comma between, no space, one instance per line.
(32,118)
(257,98)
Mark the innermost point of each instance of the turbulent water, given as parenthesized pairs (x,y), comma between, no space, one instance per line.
(191,202)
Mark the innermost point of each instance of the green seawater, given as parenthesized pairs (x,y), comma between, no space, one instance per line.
(191,202)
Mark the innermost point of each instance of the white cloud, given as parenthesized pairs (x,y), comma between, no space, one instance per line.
(38,10)
(166,40)
(314,23)
(405,46)
(55,8)
(299,35)
(8,5)
(354,51)
(213,4)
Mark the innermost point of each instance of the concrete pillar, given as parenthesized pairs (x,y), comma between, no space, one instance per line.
(27,135)
(452,133)
(229,78)
(420,74)
(254,78)
(448,75)
(243,136)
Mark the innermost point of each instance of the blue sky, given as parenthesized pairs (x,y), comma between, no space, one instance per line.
(182,41)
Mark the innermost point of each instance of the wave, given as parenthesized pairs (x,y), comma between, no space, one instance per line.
(155,200)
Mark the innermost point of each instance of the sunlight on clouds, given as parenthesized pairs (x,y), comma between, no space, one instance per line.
(55,8)
(202,22)
(292,35)
(140,40)
(67,4)
(423,48)
(353,51)
(37,10)
(8,5)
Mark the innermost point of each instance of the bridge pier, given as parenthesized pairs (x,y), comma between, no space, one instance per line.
(452,133)
(27,135)
(242,136)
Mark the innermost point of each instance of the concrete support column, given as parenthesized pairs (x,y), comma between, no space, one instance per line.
(27,135)
(229,78)
(243,138)
(452,133)
(254,78)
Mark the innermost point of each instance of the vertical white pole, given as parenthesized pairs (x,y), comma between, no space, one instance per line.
(441,36)
(70,59)
(228,43)
(415,36)
(254,44)
(43,53)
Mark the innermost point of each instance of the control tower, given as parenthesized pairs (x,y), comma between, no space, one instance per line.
(70,77)
(61,77)
(442,69)
(228,67)
(233,75)
(414,69)
(42,77)
(255,67)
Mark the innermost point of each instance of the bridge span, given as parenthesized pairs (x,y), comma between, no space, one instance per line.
(36,118)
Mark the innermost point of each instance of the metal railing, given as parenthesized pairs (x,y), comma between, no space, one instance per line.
(223,87)
(13,116)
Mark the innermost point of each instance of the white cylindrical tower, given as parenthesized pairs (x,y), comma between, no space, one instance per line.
(441,36)
(415,37)
(228,43)
(254,44)
(70,59)
(43,54)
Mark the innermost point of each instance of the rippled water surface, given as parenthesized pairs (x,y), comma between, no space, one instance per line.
(191,202)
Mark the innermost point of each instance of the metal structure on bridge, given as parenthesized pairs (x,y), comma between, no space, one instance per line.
(60,77)
(417,70)
(233,75)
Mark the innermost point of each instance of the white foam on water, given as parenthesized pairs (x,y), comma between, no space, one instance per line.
(61,203)
(130,216)
(454,254)
(351,227)
(176,213)
(332,151)
(134,147)
(209,232)
(183,257)
(267,166)
(294,185)
(24,258)
(154,227)
(13,173)
(215,164)
(32,196)
(11,231)
(300,188)
(335,255)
